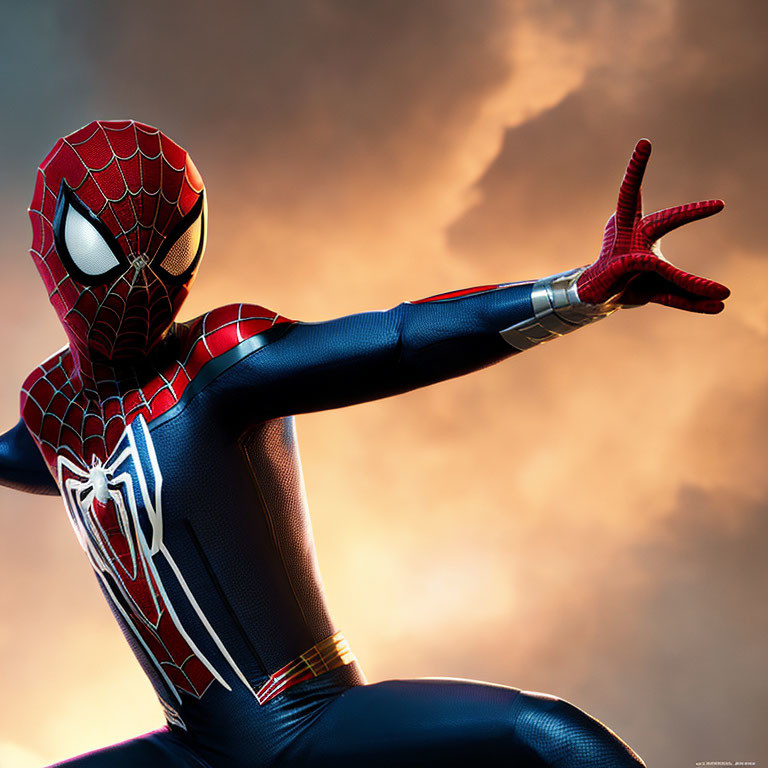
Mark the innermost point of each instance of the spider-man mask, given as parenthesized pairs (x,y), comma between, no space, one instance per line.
(119,227)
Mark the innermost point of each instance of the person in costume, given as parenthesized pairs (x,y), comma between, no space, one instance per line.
(173,446)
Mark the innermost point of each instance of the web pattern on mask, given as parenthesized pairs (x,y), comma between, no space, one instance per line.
(140,184)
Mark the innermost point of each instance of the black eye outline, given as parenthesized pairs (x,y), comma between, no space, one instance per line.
(67,199)
(188,220)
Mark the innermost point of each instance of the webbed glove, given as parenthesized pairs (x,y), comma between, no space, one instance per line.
(631,269)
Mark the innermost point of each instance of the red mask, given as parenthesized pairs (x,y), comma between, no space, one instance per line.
(119,228)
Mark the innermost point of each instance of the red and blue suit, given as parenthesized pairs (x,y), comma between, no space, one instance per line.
(174,448)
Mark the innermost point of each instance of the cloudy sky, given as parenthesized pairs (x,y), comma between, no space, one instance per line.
(588,519)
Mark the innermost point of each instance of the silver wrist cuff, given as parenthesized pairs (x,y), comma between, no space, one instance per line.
(557,310)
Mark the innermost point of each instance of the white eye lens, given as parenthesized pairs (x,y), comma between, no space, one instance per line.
(184,250)
(86,247)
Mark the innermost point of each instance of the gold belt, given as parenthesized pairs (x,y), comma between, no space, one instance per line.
(326,655)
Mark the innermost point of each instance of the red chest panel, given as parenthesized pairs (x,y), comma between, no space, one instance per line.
(142,599)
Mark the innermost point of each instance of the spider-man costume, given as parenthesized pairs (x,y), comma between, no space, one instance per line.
(174,449)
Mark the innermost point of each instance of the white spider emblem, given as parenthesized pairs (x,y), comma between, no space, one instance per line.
(115,508)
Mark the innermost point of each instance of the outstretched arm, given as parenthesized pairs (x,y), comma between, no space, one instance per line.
(21,464)
(313,366)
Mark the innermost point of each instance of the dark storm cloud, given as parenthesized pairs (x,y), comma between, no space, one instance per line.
(294,91)
(571,157)
(674,657)
(697,667)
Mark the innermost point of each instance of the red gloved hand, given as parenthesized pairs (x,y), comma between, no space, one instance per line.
(631,269)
